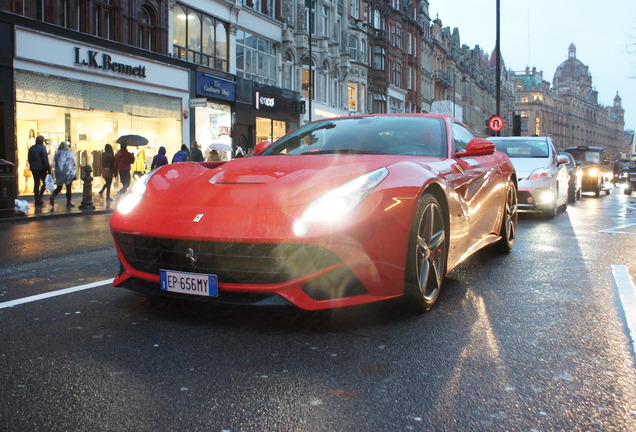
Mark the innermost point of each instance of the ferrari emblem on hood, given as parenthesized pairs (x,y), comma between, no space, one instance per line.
(197,218)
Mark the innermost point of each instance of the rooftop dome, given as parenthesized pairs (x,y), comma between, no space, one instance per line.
(572,70)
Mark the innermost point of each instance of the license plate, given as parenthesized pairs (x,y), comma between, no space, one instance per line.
(632,179)
(190,283)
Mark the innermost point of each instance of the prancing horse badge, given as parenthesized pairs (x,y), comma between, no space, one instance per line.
(197,218)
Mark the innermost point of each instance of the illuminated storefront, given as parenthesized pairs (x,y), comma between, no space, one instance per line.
(71,91)
(264,113)
(213,115)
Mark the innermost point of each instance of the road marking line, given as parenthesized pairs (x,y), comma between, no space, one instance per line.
(55,293)
(627,294)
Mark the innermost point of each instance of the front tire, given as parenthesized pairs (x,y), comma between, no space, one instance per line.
(508,231)
(426,254)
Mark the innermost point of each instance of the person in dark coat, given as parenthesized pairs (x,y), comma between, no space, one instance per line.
(181,155)
(195,153)
(160,159)
(38,159)
(108,169)
(123,163)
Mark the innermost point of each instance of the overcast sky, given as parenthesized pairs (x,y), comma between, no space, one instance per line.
(538,33)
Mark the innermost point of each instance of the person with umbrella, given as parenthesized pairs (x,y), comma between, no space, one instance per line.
(123,163)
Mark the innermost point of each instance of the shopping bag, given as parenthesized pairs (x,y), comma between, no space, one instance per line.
(49,183)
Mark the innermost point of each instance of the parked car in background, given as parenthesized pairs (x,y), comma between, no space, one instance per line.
(338,212)
(596,166)
(575,177)
(627,178)
(543,177)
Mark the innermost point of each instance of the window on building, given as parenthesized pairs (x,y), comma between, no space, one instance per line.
(378,57)
(396,36)
(396,74)
(70,14)
(352,92)
(102,19)
(324,84)
(255,58)
(353,47)
(354,9)
(33,9)
(409,78)
(200,38)
(326,29)
(377,19)
(309,84)
(146,28)
(288,71)
(310,15)
(409,44)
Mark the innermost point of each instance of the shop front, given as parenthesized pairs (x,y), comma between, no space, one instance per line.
(72,91)
(270,114)
(213,116)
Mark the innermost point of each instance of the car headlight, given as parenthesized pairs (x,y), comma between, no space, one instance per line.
(593,172)
(341,200)
(133,196)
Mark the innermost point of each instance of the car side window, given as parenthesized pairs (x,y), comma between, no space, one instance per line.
(461,137)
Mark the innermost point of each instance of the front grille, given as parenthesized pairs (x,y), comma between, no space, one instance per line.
(232,262)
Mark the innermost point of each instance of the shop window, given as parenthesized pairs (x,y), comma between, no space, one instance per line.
(269,130)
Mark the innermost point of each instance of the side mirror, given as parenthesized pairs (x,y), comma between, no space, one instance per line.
(261,147)
(562,159)
(478,147)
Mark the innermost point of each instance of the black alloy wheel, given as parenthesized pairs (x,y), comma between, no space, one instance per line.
(426,255)
(508,231)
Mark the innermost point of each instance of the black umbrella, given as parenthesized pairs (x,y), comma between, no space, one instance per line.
(132,140)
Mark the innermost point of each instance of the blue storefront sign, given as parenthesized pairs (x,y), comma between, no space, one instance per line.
(208,85)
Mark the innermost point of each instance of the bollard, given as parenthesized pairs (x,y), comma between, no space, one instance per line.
(87,194)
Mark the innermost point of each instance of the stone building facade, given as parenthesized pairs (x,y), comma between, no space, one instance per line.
(568,110)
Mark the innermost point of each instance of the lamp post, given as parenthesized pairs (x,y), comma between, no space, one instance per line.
(311,75)
(498,59)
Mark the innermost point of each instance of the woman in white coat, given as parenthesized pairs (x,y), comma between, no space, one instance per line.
(64,172)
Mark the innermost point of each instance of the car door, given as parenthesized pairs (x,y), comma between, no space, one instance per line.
(477,187)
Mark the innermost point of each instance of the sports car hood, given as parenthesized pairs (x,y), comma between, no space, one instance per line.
(524,166)
(259,182)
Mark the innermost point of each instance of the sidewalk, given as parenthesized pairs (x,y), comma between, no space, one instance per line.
(60,210)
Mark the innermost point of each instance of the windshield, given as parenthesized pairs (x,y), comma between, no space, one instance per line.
(520,148)
(397,135)
(582,156)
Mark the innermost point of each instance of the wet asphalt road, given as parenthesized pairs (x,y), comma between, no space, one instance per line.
(532,341)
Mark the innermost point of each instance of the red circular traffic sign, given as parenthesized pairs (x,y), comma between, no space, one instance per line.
(496,123)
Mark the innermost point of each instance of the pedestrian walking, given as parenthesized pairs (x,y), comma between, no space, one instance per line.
(38,159)
(64,173)
(196,155)
(181,155)
(160,159)
(123,163)
(108,169)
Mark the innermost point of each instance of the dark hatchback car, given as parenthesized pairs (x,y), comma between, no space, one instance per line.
(596,167)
